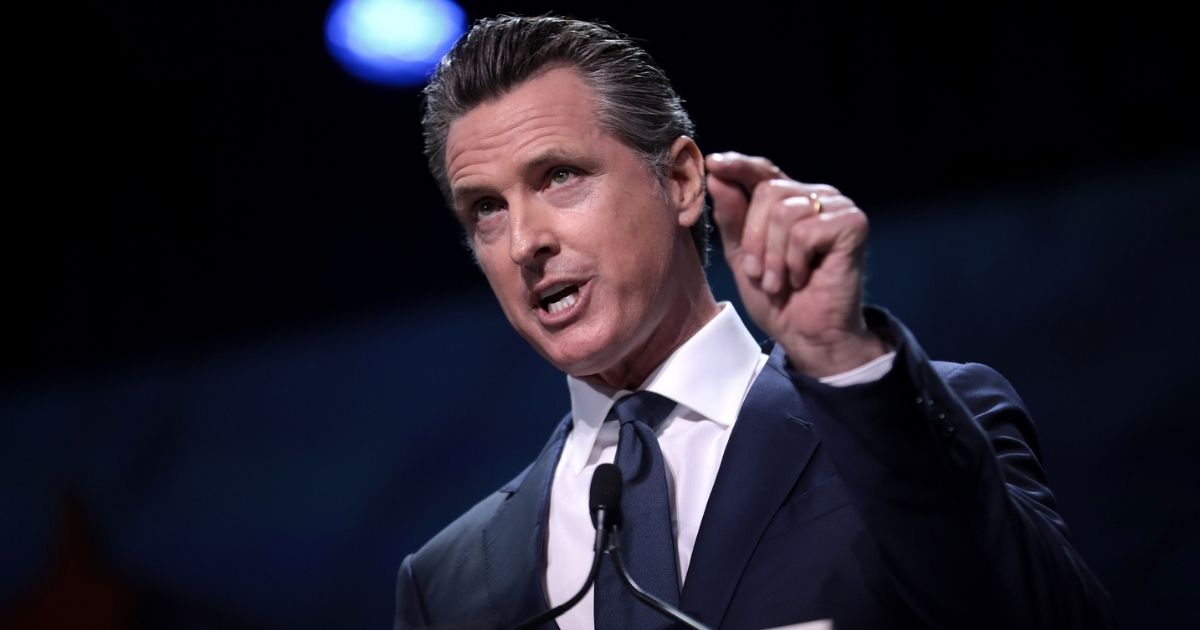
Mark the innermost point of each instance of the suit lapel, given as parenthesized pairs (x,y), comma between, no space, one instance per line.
(514,540)
(770,446)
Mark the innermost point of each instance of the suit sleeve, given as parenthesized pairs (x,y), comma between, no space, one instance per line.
(410,611)
(945,471)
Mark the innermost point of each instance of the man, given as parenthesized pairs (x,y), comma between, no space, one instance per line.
(839,475)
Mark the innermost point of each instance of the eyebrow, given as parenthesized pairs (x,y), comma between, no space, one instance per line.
(552,156)
(540,160)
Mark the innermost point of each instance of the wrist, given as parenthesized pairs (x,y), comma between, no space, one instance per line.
(833,356)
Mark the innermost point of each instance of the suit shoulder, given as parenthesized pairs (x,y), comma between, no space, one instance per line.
(459,541)
(441,580)
(435,573)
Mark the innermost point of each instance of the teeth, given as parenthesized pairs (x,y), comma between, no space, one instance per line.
(567,301)
(552,289)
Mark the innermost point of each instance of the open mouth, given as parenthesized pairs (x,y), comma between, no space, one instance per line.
(558,297)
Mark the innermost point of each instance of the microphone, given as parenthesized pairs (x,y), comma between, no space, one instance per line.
(606,515)
(604,503)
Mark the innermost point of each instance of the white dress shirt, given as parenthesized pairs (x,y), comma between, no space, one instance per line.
(709,377)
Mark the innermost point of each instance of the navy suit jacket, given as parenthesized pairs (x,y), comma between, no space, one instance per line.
(914,501)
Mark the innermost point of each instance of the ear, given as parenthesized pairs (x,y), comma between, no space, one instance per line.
(685,180)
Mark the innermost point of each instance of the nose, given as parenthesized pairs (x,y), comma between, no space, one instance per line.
(532,233)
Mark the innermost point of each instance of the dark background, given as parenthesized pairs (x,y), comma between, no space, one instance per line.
(250,367)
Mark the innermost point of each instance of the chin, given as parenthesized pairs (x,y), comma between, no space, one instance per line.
(578,357)
(575,363)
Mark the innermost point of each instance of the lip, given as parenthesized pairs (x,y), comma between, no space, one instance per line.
(567,315)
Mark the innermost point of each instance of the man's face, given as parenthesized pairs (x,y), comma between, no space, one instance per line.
(582,245)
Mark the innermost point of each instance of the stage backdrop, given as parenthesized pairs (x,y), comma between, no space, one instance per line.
(252,366)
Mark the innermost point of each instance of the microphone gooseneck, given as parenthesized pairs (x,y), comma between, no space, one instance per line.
(604,503)
(646,598)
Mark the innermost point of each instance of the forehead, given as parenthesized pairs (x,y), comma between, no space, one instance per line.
(553,110)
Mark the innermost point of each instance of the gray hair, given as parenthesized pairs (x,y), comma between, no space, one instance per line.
(634,99)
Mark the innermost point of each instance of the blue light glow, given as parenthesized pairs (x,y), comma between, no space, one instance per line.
(397,42)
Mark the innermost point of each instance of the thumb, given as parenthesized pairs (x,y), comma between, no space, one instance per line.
(730,204)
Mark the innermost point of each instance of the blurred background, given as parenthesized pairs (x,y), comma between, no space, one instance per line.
(249,366)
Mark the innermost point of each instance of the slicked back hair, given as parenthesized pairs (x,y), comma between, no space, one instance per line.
(634,99)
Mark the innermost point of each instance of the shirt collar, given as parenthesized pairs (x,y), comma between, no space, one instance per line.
(709,374)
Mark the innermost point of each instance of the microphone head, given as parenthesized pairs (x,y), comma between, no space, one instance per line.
(606,493)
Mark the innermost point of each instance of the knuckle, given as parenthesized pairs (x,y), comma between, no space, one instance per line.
(782,217)
(798,235)
(761,162)
(855,220)
(826,190)
(773,188)
(787,188)
(762,188)
(753,233)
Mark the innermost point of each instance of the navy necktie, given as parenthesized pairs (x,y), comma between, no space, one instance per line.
(647,540)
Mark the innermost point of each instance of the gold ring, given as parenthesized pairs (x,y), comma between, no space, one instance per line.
(815,201)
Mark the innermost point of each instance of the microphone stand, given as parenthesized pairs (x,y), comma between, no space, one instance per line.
(650,600)
(605,506)
(602,543)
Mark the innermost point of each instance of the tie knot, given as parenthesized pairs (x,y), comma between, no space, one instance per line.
(648,407)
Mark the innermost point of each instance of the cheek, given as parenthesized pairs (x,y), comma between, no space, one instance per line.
(646,236)
(579,195)
(506,284)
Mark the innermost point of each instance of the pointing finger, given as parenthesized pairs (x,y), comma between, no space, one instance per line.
(745,170)
(729,213)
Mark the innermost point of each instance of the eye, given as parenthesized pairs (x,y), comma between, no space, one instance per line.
(485,208)
(561,175)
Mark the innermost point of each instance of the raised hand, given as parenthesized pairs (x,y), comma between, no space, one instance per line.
(796,251)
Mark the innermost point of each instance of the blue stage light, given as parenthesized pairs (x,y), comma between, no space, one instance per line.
(397,42)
